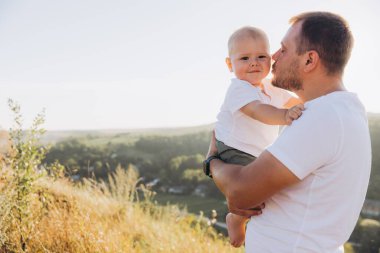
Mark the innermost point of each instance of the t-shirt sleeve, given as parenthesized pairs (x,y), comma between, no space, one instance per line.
(239,96)
(309,143)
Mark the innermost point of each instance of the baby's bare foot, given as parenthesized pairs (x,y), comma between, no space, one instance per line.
(236,229)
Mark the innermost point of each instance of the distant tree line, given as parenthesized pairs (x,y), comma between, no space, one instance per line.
(175,160)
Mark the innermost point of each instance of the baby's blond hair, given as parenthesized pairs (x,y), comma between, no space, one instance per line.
(247,32)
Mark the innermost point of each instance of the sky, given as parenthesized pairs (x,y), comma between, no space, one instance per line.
(95,64)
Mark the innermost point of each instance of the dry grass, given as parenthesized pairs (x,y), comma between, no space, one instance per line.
(100,217)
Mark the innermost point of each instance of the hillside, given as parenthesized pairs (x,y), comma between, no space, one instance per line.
(43,211)
(98,217)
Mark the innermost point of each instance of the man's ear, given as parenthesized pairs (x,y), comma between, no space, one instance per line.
(229,64)
(311,60)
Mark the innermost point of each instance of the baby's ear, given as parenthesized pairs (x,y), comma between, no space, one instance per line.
(229,64)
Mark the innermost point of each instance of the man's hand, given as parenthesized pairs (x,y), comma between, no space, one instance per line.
(293,113)
(246,212)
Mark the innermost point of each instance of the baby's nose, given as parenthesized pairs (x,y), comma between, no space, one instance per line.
(254,61)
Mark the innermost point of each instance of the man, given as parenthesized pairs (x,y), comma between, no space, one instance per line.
(314,177)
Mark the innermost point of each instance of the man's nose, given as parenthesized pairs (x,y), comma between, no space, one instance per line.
(275,55)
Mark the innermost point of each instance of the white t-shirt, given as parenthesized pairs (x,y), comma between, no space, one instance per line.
(329,149)
(240,131)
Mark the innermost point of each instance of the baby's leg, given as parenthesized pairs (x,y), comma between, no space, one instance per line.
(236,229)
(235,223)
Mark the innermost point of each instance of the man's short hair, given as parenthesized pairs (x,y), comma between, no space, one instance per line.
(246,32)
(329,35)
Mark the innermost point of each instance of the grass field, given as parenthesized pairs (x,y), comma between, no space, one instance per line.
(195,204)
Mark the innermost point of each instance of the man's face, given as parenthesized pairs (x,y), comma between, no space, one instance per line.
(250,60)
(285,69)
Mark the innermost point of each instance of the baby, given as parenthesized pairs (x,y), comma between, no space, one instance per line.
(252,110)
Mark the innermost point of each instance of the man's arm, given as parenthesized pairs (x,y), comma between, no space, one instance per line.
(247,186)
(271,115)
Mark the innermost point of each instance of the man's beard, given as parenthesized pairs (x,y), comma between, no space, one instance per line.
(288,80)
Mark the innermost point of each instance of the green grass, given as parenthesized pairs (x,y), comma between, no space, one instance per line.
(195,204)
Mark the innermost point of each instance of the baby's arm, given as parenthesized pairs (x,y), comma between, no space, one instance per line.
(271,115)
(292,102)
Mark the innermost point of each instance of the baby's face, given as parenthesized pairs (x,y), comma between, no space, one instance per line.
(250,60)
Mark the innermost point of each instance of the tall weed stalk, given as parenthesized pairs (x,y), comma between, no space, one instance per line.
(21,168)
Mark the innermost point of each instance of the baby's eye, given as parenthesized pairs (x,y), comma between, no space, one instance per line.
(262,57)
(245,58)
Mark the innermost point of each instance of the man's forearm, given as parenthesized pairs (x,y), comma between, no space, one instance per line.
(249,186)
(229,178)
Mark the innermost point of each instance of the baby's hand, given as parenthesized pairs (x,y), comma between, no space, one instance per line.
(293,113)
